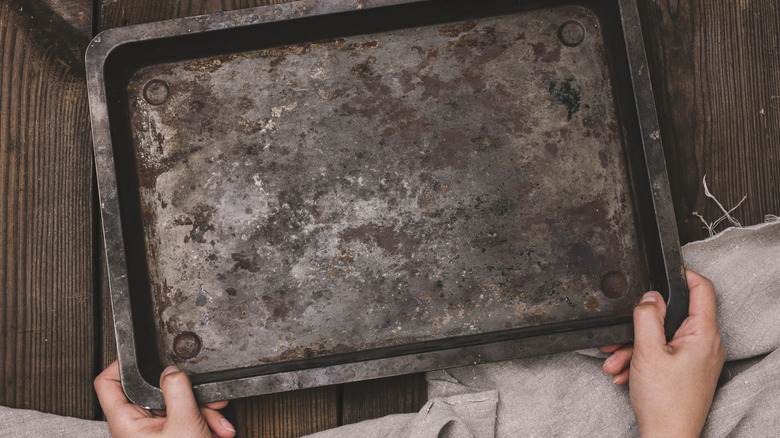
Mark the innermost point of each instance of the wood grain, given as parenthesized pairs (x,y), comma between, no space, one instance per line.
(376,398)
(715,74)
(63,23)
(47,346)
(287,415)
(77,13)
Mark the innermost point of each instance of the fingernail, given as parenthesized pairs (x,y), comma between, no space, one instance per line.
(616,378)
(226,424)
(608,361)
(649,297)
(169,370)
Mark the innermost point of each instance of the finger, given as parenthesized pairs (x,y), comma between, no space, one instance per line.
(622,378)
(217,405)
(109,391)
(702,297)
(218,423)
(649,322)
(610,348)
(180,404)
(619,361)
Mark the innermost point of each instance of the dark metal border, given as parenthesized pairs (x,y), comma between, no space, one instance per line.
(677,301)
(243,383)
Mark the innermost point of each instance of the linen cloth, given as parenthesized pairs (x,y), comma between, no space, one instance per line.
(24,423)
(567,394)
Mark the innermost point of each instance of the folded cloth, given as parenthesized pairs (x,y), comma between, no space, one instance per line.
(466,415)
(568,395)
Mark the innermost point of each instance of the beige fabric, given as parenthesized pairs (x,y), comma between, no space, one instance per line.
(470,415)
(23,423)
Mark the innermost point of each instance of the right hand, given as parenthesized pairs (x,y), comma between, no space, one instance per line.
(672,384)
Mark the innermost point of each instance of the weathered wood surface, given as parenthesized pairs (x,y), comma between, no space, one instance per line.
(47,343)
(715,72)
(376,398)
(286,415)
(715,68)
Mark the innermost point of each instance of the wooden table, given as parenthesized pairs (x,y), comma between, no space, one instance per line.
(716,76)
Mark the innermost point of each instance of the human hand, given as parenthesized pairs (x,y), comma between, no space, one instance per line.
(671,385)
(182,417)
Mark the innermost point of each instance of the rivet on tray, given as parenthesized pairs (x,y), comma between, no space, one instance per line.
(186,345)
(156,92)
(614,284)
(571,33)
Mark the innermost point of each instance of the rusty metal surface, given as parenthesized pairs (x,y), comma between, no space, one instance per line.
(483,226)
(384,189)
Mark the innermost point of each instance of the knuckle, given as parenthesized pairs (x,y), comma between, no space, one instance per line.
(644,310)
(177,378)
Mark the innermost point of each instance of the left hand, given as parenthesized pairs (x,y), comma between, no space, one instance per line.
(183,416)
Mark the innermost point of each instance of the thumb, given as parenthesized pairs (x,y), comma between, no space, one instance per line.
(649,322)
(180,405)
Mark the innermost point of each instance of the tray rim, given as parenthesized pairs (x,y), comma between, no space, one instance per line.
(145,394)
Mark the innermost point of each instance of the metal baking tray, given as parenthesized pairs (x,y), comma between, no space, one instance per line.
(320,192)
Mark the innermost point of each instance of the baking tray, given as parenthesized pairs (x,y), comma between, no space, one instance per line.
(320,192)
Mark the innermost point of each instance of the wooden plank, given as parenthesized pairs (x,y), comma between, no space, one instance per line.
(278,415)
(64,23)
(287,415)
(716,81)
(377,398)
(77,13)
(46,291)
